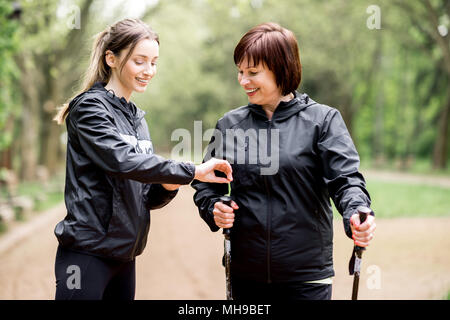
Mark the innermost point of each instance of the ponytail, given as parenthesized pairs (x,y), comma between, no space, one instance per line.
(125,33)
(98,70)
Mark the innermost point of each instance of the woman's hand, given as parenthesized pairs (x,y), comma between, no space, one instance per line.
(224,215)
(170,187)
(205,171)
(362,234)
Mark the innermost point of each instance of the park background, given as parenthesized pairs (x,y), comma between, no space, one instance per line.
(385,65)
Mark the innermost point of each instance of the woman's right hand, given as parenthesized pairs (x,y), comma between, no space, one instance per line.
(224,215)
(205,171)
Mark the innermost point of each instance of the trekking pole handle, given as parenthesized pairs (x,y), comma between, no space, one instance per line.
(363,212)
(226,200)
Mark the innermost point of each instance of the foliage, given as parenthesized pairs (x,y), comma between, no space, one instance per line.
(9,98)
(389,83)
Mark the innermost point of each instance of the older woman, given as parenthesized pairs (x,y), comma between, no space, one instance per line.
(292,154)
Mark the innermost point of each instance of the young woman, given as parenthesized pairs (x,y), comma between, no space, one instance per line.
(113,178)
(282,232)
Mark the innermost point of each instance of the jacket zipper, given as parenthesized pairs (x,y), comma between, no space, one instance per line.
(134,125)
(269,211)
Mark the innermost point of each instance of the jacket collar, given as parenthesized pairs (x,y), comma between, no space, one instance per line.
(285,109)
(128,108)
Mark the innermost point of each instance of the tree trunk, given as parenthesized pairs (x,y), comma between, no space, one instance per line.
(442,41)
(440,146)
(50,139)
(50,147)
(378,144)
(28,140)
(6,154)
(347,113)
(378,84)
(6,158)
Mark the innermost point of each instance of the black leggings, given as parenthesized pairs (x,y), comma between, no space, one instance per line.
(86,277)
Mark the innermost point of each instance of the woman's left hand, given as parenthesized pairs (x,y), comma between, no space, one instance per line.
(362,234)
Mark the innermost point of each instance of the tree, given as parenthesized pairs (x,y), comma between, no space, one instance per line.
(427,18)
(57,38)
(9,100)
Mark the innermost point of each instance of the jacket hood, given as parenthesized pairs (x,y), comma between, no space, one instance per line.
(285,109)
(128,108)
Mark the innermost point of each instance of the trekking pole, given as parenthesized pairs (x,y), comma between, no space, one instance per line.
(227,251)
(355,261)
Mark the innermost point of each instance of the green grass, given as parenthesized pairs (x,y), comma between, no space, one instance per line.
(53,198)
(418,166)
(395,199)
(44,197)
(53,193)
(390,200)
(3,227)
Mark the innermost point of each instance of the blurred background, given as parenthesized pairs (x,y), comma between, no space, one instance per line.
(384,64)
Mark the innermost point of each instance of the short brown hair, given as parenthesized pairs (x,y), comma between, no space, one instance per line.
(277,48)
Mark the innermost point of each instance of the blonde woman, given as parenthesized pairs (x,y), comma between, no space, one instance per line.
(113,178)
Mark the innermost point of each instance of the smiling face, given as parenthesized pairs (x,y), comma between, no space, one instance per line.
(259,83)
(137,71)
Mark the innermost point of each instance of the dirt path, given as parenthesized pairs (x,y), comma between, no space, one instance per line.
(409,259)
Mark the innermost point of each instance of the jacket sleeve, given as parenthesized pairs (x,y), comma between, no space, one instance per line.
(207,194)
(158,196)
(99,138)
(340,163)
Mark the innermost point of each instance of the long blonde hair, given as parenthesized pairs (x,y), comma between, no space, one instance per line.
(121,35)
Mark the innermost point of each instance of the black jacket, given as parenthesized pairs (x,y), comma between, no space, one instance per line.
(283,230)
(112,177)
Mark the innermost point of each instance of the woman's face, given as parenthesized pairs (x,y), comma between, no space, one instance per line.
(140,66)
(259,83)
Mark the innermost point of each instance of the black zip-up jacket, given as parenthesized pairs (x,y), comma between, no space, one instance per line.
(113,178)
(283,230)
